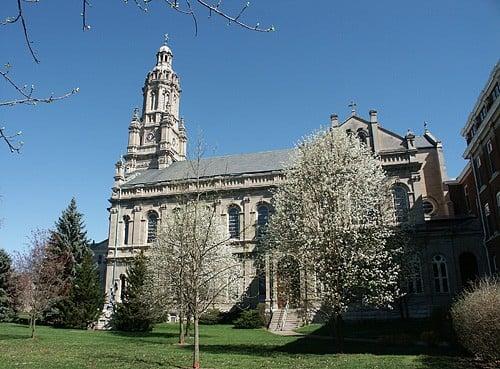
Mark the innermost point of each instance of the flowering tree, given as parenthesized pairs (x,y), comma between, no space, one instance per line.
(334,214)
(39,280)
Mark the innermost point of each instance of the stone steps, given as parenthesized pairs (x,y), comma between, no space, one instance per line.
(291,321)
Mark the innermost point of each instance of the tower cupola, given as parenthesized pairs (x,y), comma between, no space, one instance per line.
(157,137)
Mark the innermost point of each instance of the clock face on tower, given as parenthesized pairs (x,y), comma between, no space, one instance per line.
(150,136)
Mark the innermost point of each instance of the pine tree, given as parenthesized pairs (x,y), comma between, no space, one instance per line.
(85,298)
(135,312)
(70,236)
(68,242)
(7,310)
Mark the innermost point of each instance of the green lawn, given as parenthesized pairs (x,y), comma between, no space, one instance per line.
(222,348)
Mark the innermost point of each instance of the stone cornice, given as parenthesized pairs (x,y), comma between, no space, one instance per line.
(214,184)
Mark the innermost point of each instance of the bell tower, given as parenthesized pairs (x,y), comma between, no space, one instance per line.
(157,136)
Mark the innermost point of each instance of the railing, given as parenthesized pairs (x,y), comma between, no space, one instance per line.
(282,321)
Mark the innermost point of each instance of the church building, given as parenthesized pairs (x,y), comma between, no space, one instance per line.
(148,180)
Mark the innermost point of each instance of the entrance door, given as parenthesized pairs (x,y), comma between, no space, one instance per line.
(288,287)
(468,268)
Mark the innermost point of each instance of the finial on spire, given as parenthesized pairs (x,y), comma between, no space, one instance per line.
(165,39)
(425,126)
(135,114)
(353,106)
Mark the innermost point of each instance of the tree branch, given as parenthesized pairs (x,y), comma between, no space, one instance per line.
(20,18)
(14,146)
(27,93)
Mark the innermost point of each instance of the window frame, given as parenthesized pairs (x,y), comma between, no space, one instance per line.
(150,237)
(440,275)
(234,226)
(398,212)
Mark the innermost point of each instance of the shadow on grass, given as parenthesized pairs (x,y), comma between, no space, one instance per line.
(14,336)
(145,334)
(428,357)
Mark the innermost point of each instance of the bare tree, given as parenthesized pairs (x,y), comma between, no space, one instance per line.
(39,277)
(191,264)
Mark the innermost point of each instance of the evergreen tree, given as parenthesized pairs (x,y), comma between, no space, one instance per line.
(70,237)
(135,312)
(68,242)
(85,298)
(7,311)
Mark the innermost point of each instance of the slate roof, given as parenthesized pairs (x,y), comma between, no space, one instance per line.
(422,142)
(229,165)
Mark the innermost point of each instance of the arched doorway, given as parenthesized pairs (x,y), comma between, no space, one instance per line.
(288,286)
(468,267)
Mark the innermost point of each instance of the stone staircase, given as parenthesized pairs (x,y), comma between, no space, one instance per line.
(282,323)
(103,320)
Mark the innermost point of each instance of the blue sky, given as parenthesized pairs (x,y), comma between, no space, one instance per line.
(413,61)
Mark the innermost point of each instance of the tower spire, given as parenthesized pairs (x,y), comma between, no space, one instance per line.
(157,137)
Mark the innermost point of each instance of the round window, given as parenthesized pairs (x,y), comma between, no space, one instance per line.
(428,207)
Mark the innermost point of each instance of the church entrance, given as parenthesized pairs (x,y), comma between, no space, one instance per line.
(288,282)
(468,267)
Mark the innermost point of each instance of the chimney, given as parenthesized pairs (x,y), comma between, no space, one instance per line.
(374,130)
(334,119)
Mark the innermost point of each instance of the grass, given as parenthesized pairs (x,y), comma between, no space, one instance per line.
(376,329)
(222,347)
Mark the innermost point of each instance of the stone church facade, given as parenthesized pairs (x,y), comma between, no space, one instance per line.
(149,178)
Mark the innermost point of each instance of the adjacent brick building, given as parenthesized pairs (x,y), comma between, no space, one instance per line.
(482,133)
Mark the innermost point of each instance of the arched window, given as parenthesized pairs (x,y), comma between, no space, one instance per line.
(126,229)
(234,222)
(123,286)
(415,283)
(440,273)
(468,267)
(152,226)
(401,203)
(428,207)
(363,137)
(262,219)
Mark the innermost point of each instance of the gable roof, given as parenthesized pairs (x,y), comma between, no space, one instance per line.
(230,165)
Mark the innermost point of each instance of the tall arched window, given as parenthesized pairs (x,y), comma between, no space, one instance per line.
(401,203)
(440,273)
(262,219)
(154,101)
(152,226)
(126,229)
(234,222)
(123,286)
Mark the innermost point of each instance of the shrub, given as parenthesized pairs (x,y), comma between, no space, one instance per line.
(211,317)
(264,316)
(476,319)
(431,338)
(249,319)
(395,339)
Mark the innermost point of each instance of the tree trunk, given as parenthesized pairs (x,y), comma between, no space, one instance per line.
(33,323)
(339,332)
(182,336)
(196,354)
(188,325)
